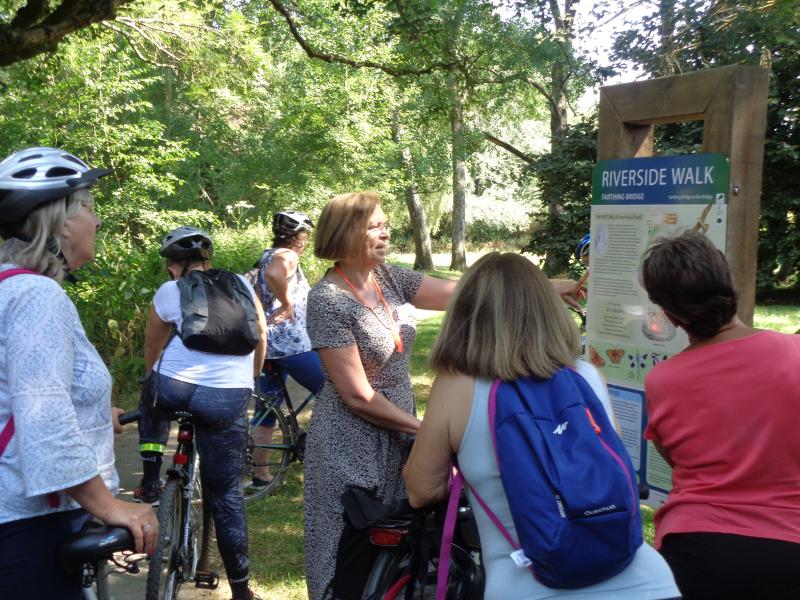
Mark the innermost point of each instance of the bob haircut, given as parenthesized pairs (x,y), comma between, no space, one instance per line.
(42,227)
(505,321)
(343,225)
(689,278)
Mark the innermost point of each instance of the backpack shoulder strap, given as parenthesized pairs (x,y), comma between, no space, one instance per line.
(445,548)
(16,271)
(6,435)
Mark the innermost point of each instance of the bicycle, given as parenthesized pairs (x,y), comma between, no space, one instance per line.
(287,445)
(184,521)
(89,553)
(408,542)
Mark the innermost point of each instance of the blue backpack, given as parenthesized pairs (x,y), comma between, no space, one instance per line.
(569,481)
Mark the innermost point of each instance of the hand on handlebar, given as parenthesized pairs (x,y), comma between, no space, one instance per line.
(116,411)
(140,519)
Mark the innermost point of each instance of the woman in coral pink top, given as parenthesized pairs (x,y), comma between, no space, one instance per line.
(725,414)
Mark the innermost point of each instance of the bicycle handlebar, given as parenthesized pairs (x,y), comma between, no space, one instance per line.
(129,417)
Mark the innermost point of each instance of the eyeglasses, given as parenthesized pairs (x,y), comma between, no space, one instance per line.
(377,228)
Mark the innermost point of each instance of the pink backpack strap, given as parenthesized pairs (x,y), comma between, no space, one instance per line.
(6,435)
(11,272)
(445,548)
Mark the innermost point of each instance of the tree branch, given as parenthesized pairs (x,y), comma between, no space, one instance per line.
(136,50)
(508,147)
(36,29)
(336,58)
(29,13)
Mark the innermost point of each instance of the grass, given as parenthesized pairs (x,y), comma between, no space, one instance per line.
(782,318)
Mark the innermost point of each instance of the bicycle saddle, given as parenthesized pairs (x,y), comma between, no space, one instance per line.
(94,542)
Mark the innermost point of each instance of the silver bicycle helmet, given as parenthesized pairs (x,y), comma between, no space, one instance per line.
(288,223)
(33,177)
(186,243)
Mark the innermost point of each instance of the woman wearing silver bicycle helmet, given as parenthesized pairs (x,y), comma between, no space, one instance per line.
(56,439)
(283,289)
(215,386)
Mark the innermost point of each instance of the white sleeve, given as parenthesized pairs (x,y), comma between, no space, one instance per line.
(42,331)
(167,302)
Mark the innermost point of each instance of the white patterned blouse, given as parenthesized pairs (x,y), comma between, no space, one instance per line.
(56,387)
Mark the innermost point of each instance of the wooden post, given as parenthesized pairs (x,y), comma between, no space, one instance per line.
(732,102)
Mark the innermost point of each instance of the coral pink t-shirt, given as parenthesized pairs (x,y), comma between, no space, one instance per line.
(729,416)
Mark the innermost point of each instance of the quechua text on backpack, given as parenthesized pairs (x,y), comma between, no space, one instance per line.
(218,312)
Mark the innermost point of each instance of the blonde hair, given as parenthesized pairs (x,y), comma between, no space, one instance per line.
(505,321)
(42,225)
(343,225)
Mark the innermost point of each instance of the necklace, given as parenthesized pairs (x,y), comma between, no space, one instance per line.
(392,326)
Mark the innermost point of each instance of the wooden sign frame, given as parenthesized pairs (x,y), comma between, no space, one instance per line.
(732,103)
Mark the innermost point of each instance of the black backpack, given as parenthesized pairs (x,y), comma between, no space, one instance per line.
(219,315)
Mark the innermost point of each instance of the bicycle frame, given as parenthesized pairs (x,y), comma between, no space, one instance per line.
(185,466)
(408,549)
(277,446)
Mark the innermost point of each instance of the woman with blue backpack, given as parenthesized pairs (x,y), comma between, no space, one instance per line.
(531,430)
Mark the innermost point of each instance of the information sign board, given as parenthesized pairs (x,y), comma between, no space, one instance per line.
(635,201)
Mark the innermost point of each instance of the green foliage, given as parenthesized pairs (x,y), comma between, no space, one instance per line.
(569,169)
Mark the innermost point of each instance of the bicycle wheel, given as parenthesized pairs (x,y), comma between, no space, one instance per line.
(163,578)
(388,576)
(274,454)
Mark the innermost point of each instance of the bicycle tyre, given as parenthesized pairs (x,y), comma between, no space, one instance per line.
(390,577)
(163,578)
(390,566)
(279,456)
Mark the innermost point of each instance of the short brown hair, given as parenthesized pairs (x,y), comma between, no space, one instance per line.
(689,278)
(343,225)
(505,321)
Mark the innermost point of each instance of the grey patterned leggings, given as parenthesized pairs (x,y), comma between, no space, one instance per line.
(220,432)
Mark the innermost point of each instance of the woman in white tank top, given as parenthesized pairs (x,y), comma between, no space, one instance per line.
(505,322)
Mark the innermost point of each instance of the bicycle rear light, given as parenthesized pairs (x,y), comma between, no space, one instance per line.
(180,459)
(386,537)
(185,435)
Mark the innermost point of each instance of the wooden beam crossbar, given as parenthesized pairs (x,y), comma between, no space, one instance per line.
(731,101)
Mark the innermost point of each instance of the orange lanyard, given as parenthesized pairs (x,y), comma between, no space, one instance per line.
(392,327)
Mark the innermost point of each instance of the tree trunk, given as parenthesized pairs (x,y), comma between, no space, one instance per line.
(559,74)
(423,260)
(458,260)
